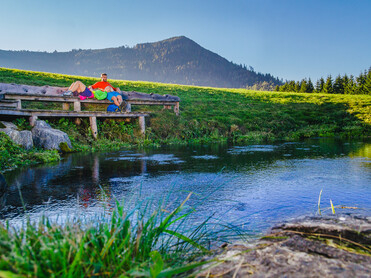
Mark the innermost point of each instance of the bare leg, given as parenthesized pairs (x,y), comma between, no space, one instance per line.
(77,86)
(116,101)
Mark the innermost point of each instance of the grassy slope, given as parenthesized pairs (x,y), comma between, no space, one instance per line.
(238,114)
(206,114)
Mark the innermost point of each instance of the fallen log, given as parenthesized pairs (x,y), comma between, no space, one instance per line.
(50,90)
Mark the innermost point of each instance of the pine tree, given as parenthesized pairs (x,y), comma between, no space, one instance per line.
(361,84)
(351,86)
(338,85)
(327,88)
(303,86)
(297,87)
(277,88)
(291,86)
(320,85)
(368,82)
(310,86)
(345,81)
(283,88)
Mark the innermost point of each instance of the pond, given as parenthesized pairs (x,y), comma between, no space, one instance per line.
(253,185)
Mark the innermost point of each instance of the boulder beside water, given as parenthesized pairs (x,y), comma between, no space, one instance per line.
(309,247)
(46,137)
(23,138)
(41,136)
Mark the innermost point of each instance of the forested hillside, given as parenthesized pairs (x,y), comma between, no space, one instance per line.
(177,60)
(349,85)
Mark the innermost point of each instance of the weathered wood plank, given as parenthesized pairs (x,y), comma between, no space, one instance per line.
(24,89)
(149,99)
(66,99)
(66,106)
(77,106)
(93,126)
(64,113)
(176,109)
(142,124)
(130,97)
(57,91)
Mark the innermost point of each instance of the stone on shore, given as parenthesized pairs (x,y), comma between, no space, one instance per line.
(46,137)
(23,138)
(310,247)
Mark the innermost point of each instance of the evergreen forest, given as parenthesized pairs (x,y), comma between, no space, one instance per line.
(349,85)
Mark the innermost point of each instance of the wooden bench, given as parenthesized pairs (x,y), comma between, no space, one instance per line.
(11,104)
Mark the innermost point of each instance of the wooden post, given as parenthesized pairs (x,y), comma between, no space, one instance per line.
(176,109)
(77,106)
(33,120)
(93,126)
(19,104)
(142,124)
(66,106)
(128,107)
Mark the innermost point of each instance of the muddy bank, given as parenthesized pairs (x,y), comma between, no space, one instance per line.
(310,247)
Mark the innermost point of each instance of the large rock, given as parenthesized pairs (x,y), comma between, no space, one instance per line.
(23,138)
(310,247)
(48,138)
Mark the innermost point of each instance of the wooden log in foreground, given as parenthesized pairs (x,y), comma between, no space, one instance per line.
(58,91)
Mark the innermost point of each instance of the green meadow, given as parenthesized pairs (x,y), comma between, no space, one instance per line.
(145,243)
(211,114)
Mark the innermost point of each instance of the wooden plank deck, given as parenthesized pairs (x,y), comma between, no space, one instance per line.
(11,105)
(34,114)
(135,98)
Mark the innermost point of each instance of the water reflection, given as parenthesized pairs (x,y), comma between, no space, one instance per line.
(255,184)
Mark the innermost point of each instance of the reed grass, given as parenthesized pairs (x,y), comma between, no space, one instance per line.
(138,243)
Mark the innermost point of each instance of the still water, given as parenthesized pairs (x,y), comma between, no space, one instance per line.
(254,185)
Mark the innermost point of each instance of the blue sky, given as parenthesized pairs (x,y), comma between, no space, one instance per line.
(291,39)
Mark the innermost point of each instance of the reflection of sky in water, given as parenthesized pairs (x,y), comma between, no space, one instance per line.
(253,185)
(205,157)
(162,158)
(252,148)
(156,158)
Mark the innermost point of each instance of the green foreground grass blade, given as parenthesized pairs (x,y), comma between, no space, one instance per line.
(186,239)
(177,270)
(319,202)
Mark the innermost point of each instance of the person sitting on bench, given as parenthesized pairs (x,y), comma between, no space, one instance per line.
(103,84)
(113,96)
(78,88)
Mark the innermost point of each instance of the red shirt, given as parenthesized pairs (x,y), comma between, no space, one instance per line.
(102,85)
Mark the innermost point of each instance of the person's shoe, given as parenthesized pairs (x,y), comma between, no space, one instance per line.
(68,93)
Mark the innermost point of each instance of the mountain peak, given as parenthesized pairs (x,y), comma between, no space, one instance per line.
(174,60)
(179,40)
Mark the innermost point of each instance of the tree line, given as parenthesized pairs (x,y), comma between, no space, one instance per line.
(345,84)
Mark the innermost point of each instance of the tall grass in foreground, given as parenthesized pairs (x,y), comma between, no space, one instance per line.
(129,244)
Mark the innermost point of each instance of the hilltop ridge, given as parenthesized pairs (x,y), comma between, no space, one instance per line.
(177,60)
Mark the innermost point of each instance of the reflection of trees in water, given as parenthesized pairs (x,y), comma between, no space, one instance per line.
(364,151)
(77,176)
